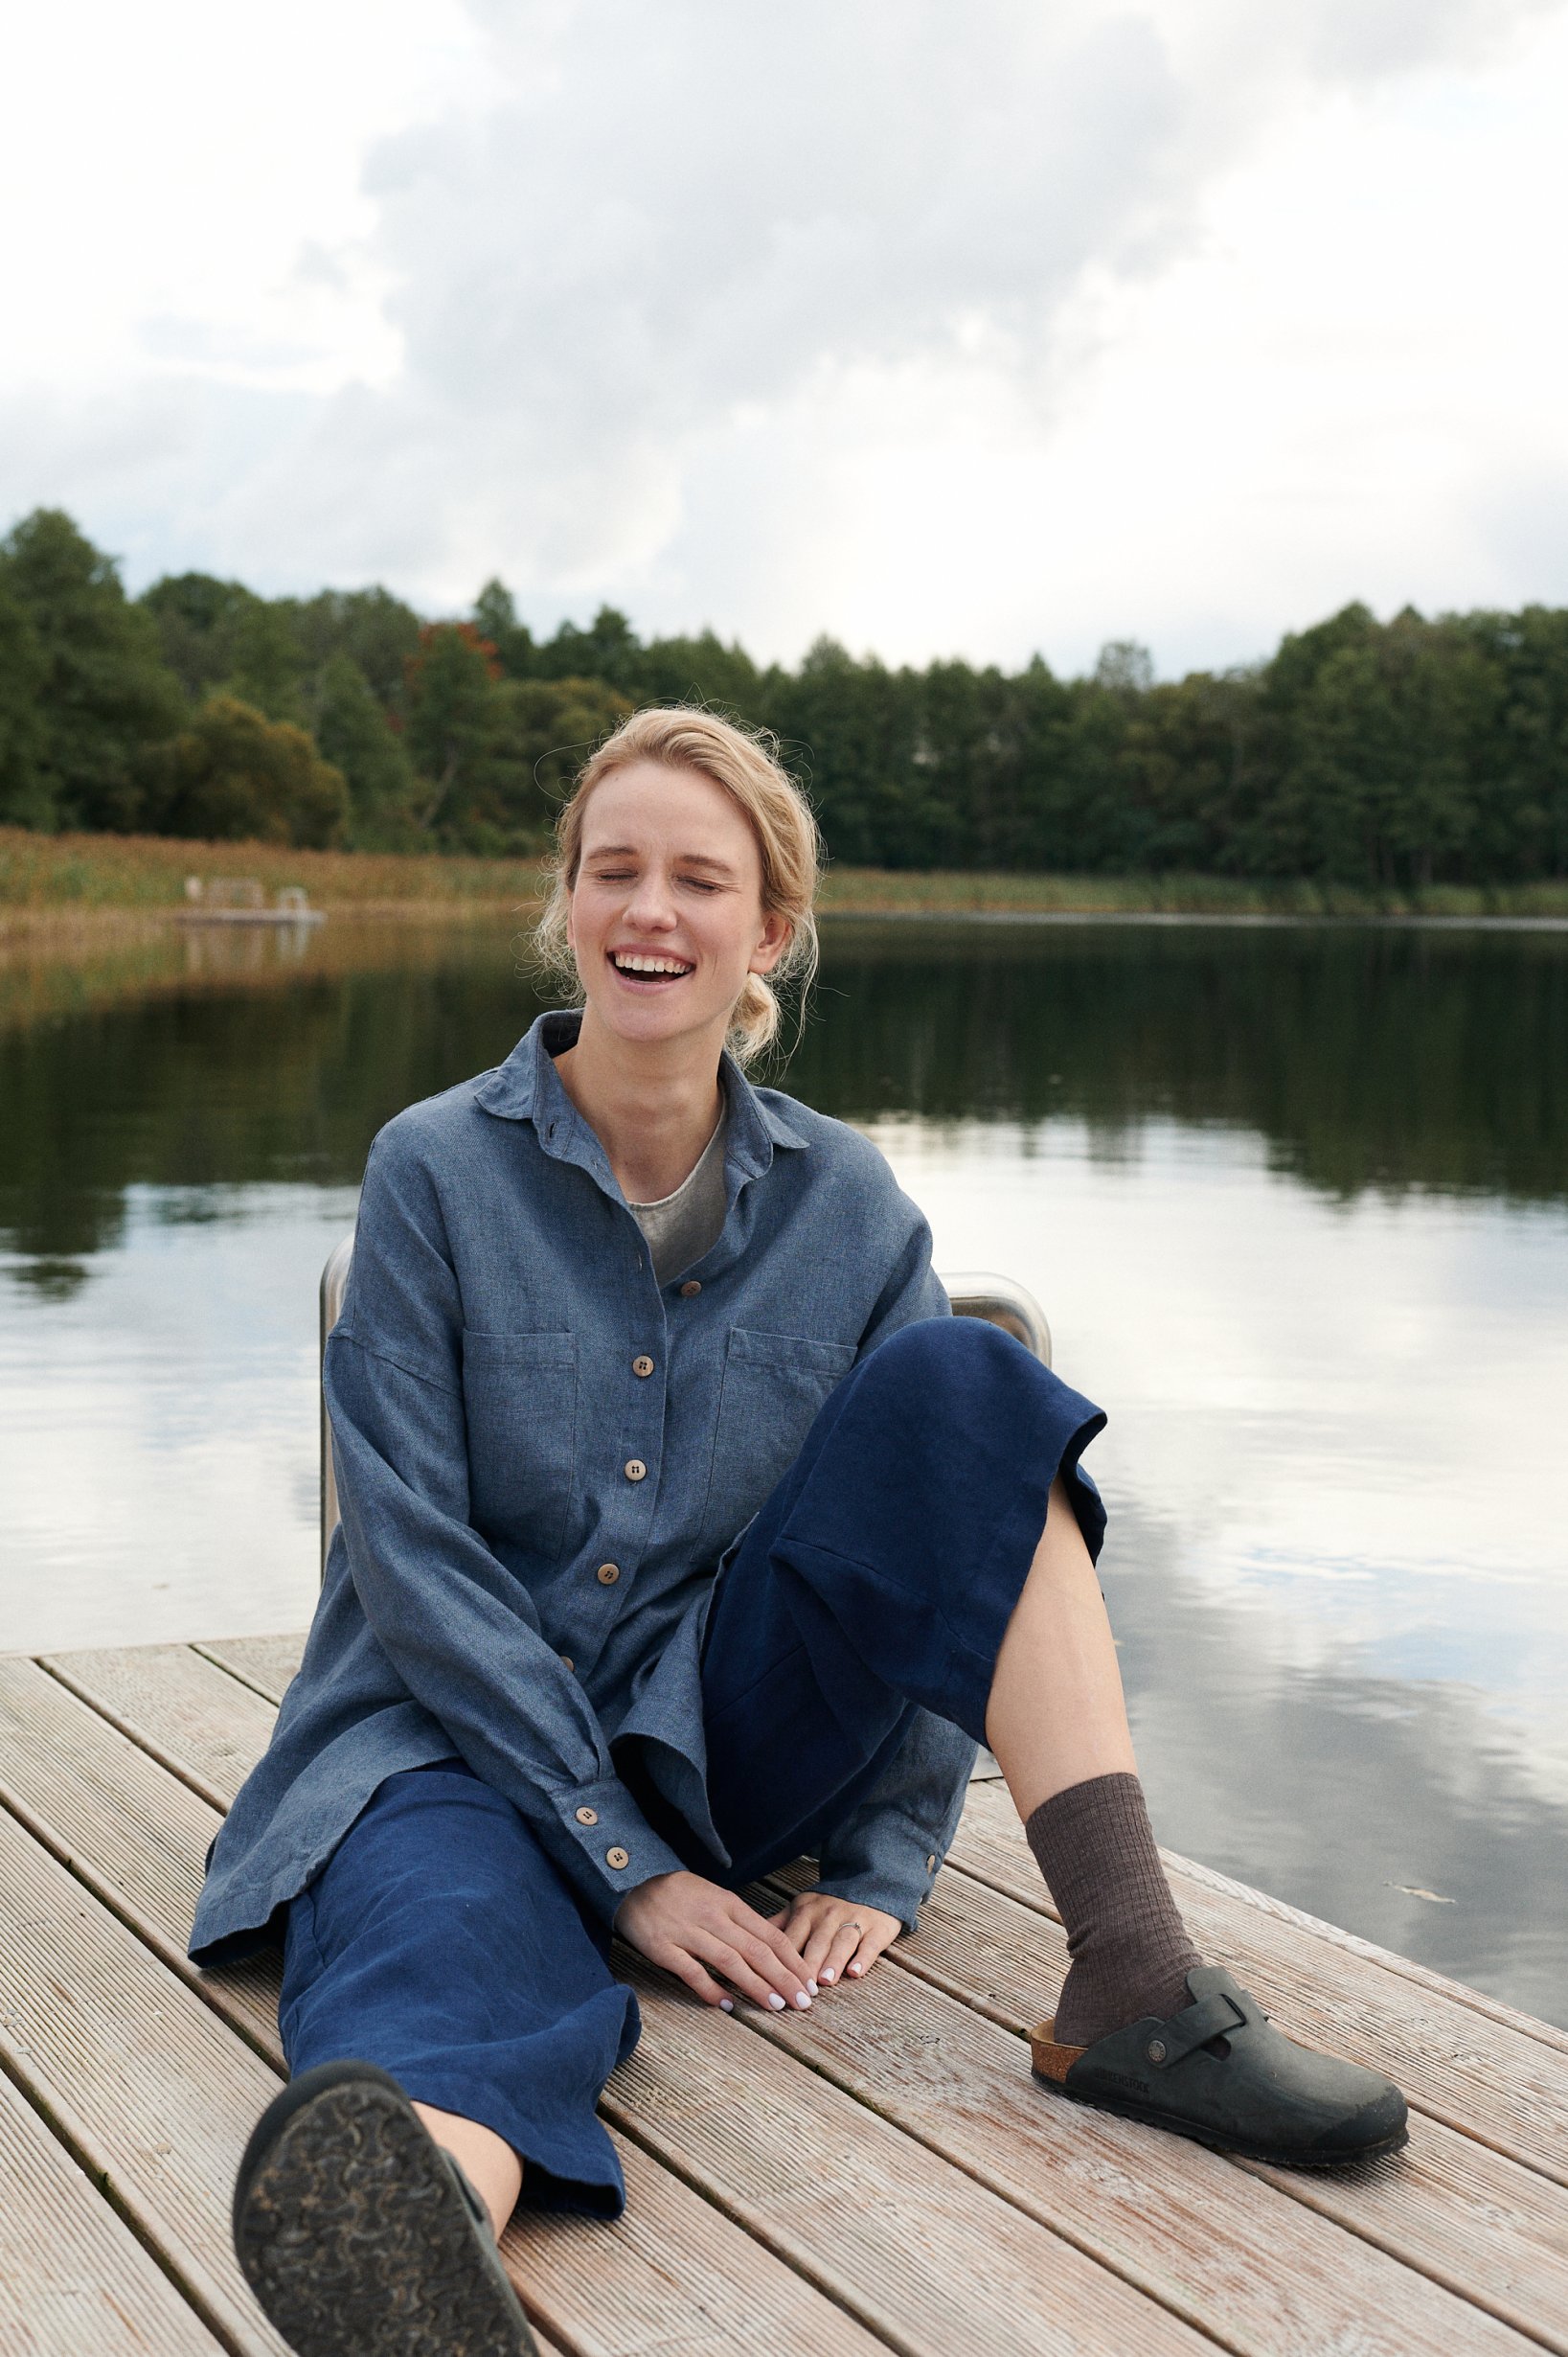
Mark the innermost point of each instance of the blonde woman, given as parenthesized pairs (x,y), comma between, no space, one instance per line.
(684,1531)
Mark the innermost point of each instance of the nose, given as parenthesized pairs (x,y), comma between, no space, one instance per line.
(651,908)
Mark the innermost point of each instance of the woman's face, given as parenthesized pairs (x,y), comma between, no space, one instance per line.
(667,917)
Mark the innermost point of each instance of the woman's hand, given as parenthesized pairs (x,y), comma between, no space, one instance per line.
(838,1938)
(707,1936)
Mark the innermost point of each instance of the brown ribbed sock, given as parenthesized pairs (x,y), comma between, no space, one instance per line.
(1129,1950)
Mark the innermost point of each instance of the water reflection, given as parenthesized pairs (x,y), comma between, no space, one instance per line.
(1296,1199)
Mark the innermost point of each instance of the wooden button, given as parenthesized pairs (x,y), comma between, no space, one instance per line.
(568,1661)
(641,1366)
(618,1857)
(607,1574)
(588,1816)
(931,1863)
(691,1290)
(636,1470)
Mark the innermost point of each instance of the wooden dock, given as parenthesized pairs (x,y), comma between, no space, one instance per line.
(881,2173)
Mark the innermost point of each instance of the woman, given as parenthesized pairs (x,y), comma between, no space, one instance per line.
(684,1531)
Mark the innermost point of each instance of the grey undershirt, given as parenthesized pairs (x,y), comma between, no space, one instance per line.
(681,1227)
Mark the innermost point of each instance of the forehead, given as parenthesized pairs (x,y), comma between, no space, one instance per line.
(650,806)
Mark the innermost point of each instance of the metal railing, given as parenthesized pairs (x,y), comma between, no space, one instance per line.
(997,1299)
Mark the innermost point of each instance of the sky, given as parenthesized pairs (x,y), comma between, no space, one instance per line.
(946,330)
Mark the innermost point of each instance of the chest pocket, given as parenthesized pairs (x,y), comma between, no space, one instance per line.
(772,1387)
(520,1391)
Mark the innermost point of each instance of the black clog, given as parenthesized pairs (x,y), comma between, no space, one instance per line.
(360,2237)
(1220,2072)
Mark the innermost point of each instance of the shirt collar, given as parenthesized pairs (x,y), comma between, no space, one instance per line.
(528,1088)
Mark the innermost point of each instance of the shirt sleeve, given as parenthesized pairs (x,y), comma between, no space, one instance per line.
(913,1290)
(887,1851)
(462,1632)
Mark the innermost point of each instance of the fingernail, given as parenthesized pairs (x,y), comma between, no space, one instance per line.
(827,1973)
(776,2001)
(853,1968)
(726,2005)
(813,1987)
(804,2002)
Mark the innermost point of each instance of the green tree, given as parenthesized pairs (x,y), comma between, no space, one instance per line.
(24,800)
(104,693)
(355,736)
(453,727)
(232,775)
(495,618)
(375,630)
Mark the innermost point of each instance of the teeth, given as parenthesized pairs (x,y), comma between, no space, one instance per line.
(628,961)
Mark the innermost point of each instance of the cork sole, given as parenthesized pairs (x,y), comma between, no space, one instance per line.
(1051,2061)
(352,2231)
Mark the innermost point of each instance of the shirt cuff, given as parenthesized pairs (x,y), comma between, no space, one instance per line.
(609,1845)
(899,1888)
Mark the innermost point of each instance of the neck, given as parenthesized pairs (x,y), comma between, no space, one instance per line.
(652,1105)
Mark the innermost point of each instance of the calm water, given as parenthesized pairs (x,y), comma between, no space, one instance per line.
(1295,1199)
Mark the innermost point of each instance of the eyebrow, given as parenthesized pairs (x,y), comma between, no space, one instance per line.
(682,859)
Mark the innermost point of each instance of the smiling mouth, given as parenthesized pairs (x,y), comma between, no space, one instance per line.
(647,966)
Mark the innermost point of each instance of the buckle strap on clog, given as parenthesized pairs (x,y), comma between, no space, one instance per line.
(1218,2015)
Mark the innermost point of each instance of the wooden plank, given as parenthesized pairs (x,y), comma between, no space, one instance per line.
(677,2277)
(823,2162)
(924,2254)
(1530,2025)
(1445,2209)
(1484,2228)
(199,1722)
(265,1663)
(73,2280)
(148,2090)
(1478,2076)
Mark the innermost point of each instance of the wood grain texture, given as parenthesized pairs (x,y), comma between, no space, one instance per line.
(923,2254)
(136,2075)
(186,1712)
(1475,2075)
(265,1663)
(1242,2252)
(73,2280)
(676,2277)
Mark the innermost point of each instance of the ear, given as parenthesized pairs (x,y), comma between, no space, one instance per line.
(772,942)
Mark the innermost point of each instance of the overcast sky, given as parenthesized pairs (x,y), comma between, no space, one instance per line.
(971,328)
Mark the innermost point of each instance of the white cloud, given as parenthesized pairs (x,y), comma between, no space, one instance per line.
(944,331)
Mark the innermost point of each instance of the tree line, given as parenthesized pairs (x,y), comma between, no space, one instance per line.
(1385,754)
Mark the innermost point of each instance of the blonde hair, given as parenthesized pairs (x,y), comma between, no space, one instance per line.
(744,762)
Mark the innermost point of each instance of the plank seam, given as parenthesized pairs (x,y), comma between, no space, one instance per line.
(125,1912)
(144,1742)
(1429,2110)
(1296,2188)
(229,1671)
(77,2140)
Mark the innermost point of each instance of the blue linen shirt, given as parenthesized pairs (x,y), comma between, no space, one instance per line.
(542,1455)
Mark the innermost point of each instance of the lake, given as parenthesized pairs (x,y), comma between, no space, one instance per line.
(1294,1197)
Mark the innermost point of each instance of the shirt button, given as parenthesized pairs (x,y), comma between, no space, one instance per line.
(690,1289)
(617,1857)
(931,1863)
(641,1366)
(636,1470)
(567,1662)
(607,1574)
(588,1816)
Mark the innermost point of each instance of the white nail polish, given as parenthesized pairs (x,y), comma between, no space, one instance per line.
(776,2001)
(804,2002)
(828,1975)
(812,1988)
(726,2005)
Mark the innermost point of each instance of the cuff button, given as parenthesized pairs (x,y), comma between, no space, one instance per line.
(617,1857)
(588,1816)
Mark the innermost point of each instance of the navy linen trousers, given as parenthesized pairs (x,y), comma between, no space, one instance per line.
(441,1942)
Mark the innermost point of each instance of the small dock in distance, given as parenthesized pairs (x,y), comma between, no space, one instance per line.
(879,2174)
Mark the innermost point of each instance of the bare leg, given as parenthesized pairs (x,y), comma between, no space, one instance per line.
(487,2160)
(1056,1716)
